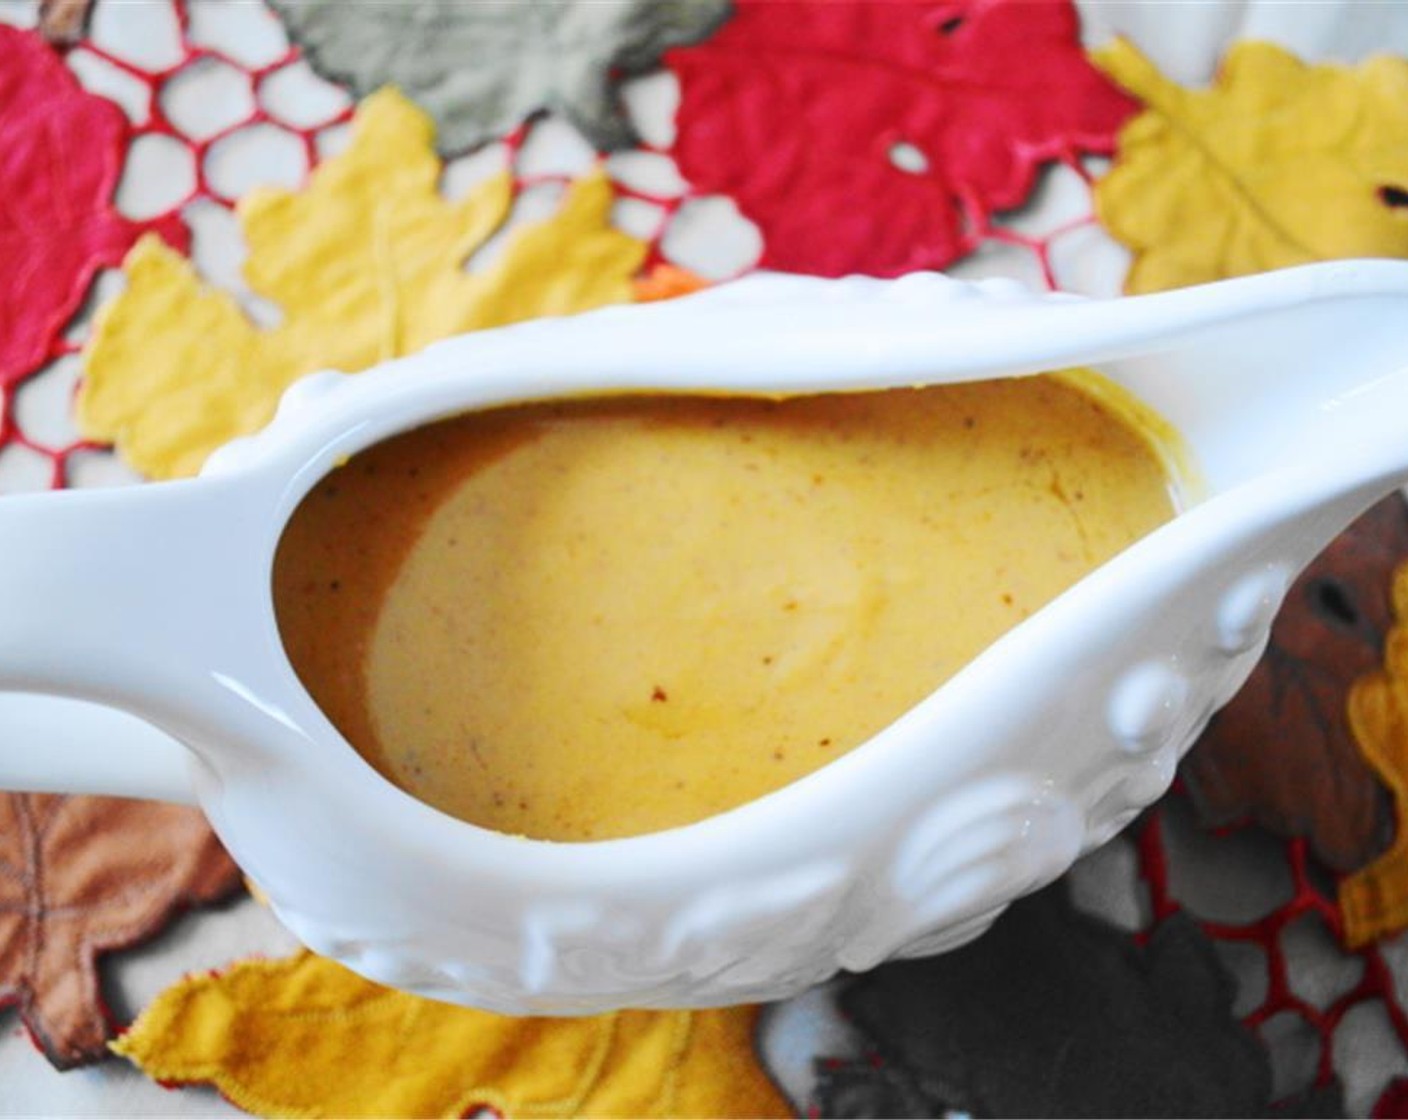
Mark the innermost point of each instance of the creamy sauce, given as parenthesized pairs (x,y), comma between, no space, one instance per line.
(594,619)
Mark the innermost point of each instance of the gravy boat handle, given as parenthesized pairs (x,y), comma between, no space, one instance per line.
(88,748)
(107,604)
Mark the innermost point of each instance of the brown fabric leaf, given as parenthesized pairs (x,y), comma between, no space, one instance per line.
(1282,753)
(81,876)
(63,22)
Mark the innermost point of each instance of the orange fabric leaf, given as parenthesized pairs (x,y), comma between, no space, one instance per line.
(667,281)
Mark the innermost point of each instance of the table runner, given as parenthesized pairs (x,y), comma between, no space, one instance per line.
(980,165)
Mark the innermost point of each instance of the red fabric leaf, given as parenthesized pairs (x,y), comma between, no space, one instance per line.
(1394,1100)
(793,109)
(61,152)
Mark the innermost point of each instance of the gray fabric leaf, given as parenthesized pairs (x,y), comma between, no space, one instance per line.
(1054,1013)
(871,1087)
(481,67)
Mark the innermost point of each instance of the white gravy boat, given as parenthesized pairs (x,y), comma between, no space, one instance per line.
(1290,389)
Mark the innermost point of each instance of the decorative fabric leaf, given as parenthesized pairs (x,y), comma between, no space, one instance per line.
(306,1037)
(871,1087)
(667,281)
(63,22)
(482,69)
(795,110)
(366,264)
(1054,1013)
(80,876)
(1393,1101)
(1374,900)
(1317,1101)
(1279,163)
(1282,751)
(58,227)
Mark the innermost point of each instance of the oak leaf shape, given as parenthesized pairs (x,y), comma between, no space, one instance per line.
(58,227)
(1055,1013)
(81,876)
(481,69)
(1278,163)
(795,110)
(306,1037)
(1282,752)
(1374,900)
(366,264)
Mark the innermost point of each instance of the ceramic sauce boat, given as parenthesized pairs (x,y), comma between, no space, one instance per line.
(1290,390)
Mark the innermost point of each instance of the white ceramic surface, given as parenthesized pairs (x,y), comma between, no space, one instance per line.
(1290,389)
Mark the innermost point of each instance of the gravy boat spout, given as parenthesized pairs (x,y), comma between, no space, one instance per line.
(1288,390)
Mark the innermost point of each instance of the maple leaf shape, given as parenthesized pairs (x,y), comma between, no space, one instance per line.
(57,223)
(1278,164)
(304,1036)
(1055,1013)
(366,264)
(1282,752)
(80,876)
(794,110)
(1374,900)
(483,69)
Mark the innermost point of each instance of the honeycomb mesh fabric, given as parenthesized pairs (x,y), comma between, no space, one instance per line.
(153,120)
(1309,897)
(1376,983)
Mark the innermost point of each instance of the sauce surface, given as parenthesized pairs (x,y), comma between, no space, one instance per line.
(593,619)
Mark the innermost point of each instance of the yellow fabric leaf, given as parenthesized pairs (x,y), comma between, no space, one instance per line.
(1278,163)
(365,264)
(306,1037)
(1374,900)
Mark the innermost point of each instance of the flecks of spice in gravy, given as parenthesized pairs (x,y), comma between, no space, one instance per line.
(592,619)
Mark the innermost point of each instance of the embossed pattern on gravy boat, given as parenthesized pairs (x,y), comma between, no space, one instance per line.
(1290,389)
